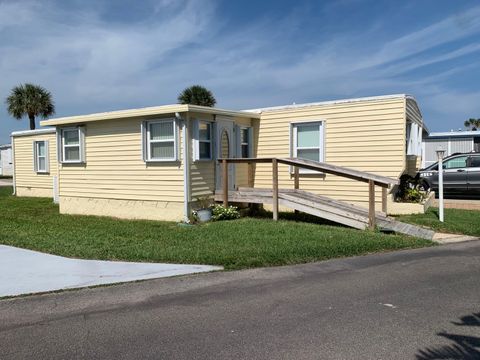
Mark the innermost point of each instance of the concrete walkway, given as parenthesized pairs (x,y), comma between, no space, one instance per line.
(25,271)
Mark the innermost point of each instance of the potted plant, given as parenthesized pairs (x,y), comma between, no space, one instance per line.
(204,212)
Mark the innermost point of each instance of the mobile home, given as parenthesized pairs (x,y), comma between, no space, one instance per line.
(6,168)
(154,163)
(452,142)
(35,166)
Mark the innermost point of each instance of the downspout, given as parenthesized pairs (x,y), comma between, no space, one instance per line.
(13,165)
(186,168)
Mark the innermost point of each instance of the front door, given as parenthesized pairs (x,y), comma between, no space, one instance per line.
(225,146)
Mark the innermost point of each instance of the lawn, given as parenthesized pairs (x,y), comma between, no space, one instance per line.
(34,223)
(456,221)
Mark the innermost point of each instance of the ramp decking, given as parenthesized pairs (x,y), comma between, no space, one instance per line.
(326,208)
(337,211)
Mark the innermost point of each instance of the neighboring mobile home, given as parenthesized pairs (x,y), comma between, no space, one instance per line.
(35,165)
(452,142)
(6,167)
(154,163)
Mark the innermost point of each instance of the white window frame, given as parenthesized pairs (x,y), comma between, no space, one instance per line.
(199,141)
(148,141)
(80,145)
(321,148)
(248,143)
(36,157)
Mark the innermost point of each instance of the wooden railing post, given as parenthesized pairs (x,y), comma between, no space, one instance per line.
(371,204)
(225,182)
(275,188)
(296,178)
(384,200)
(251,175)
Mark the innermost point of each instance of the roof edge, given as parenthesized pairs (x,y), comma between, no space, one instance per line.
(32,132)
(147,111)
(453,134)
(331,102)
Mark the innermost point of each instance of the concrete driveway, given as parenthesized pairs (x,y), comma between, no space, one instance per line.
(25,271)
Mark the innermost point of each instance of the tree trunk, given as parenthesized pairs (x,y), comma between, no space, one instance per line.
(32,121)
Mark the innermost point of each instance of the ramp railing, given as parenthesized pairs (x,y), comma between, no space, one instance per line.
(371,179)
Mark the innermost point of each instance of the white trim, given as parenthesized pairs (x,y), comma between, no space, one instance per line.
(80,145)
(248,143)
(14,192)
(186,168)
(197,140)
(453,134)
(148,111)
(32,132)
(36,157)
(294,147)
(331,102)
(174,140)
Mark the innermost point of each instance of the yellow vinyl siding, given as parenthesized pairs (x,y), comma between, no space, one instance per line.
(114,167)
(202,173)
(27,181)
(364,135)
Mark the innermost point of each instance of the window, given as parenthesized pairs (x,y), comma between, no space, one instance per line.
(161,144)
(308,141)
(72,142)
(245,141)
(204,140)
(40,152)
(414,139)
(475,161)
(456,163)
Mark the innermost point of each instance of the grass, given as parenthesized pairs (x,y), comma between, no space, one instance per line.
(34,223)
(457,221)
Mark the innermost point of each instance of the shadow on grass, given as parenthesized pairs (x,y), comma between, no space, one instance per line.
(463,346)
(292,216)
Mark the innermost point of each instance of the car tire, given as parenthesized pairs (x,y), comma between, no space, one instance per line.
(423,186)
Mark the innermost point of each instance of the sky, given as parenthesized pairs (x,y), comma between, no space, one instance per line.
(100,55)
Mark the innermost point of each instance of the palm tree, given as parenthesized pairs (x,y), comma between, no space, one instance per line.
(30,100)
(472,124)
(197,95)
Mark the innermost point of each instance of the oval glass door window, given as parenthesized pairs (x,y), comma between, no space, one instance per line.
(225,144)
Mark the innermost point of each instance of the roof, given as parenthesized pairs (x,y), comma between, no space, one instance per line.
(147,111)
(454,134)
(5,146)
(332,102)
(33,132)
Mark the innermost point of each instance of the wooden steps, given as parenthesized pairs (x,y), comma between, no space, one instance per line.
(326,208)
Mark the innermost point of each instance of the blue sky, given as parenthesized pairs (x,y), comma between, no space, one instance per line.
(104,55)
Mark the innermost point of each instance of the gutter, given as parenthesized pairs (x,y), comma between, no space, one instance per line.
(13,165)
(186,168)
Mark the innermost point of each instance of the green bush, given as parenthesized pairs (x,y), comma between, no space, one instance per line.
(220,212)
(410,190)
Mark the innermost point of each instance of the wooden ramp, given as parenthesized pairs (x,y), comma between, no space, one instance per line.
(326,208)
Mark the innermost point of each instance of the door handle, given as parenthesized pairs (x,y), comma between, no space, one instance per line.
(460,170)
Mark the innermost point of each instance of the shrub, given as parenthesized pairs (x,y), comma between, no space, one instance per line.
(220,212)
(409,190)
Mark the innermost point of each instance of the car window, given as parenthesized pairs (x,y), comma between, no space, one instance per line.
(455,163)
(475,161)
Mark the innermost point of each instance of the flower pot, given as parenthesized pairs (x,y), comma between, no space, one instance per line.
(204,215)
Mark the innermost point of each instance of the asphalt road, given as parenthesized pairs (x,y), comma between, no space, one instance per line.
(420,304)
